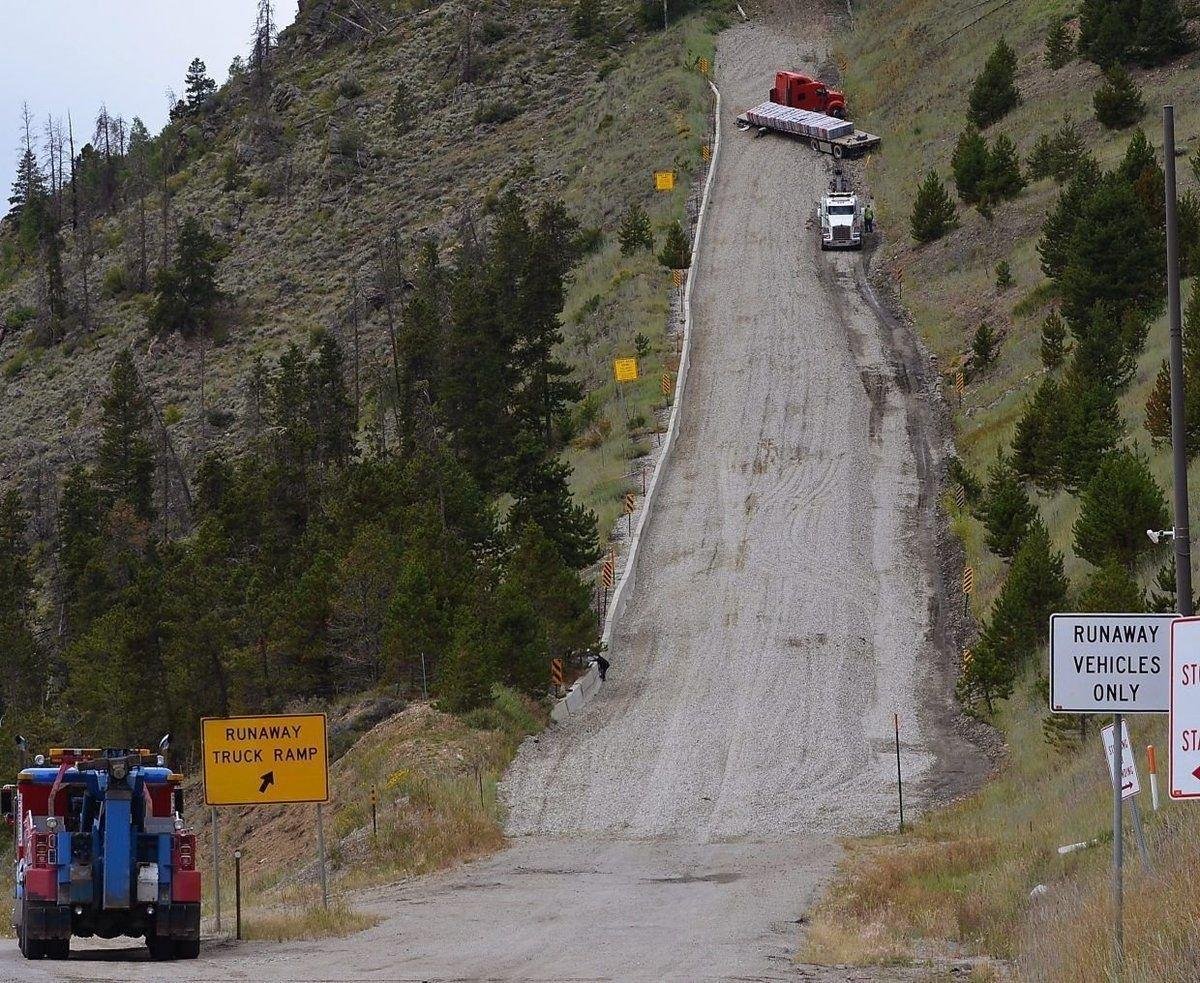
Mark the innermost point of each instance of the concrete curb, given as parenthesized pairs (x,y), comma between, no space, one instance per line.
(588,685)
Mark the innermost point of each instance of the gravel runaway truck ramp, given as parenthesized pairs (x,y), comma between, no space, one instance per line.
(788,602)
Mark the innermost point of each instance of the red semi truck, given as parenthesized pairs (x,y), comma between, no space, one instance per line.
(798,91)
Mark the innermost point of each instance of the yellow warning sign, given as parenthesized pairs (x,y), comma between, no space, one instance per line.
(280,758)
(704,66)
(625,369)
(664,180)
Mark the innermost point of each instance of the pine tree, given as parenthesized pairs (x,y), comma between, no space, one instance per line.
(1111,587)
(1059,49)
(198,87)
(125,461)
(1118,103)
(25,675)
(1108,346)
(28,187)
(1004,276)
(1068,151)
(970,164)
(983,348)
(1162,33)
(1054,333)
(1006,511)
(587,19)
(1158,408)
(1037,444)
(635,231)
(1106,30)
(542,496)
(994,92)
(561,600)
(331,411)
(933,212)
(1040,161)
(676,252)
(1003,179)
(1120,502)
(186,293)
(1088,426)
(1055,247)
(1095,272)
(1162,599)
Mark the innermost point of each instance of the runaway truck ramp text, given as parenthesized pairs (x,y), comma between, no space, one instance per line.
(251,760)
(1110,663)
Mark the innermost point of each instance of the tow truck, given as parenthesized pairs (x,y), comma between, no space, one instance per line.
(102,849)
(840,215)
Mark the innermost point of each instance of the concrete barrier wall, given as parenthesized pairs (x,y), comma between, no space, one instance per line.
(586,687)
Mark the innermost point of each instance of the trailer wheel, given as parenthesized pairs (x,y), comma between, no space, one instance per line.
(57,949)
(838,151)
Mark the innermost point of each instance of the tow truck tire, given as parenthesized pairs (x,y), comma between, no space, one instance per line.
(160,949)
(187,948)
(30,948)
(57,948)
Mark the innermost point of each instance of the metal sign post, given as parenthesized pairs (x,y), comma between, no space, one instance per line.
(899,777)
(321,857)
(237,891)
(1118,900)
(216,864)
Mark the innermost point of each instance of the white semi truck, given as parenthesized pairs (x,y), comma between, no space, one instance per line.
(841,218)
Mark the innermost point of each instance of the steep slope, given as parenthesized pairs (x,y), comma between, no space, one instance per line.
(967,878)
(787,605)
(380,130)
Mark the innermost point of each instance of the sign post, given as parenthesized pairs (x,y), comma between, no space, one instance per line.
(1184,720)
(1121,757)
(899,778)
(1118,664)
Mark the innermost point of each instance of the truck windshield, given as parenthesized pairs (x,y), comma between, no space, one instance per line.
(841,209)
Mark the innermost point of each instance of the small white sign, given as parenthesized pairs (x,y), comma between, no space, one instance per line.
(1185,709)
(1130,785)
(1110,663)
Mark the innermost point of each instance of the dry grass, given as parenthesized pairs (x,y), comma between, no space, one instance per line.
(336,921)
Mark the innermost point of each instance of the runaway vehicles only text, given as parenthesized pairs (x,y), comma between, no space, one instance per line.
(101,849)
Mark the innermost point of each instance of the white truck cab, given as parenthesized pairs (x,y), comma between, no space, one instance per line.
(841,221)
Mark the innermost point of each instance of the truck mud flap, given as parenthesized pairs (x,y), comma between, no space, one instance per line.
(43,921)
(177,921)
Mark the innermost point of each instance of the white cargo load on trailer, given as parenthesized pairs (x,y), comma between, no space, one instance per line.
(799,122)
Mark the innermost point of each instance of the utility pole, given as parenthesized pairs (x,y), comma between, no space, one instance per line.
(1183,547)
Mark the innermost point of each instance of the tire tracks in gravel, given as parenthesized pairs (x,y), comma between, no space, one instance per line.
(788,601)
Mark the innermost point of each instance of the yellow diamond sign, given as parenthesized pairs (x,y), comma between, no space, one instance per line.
(625,369)
(664,180)
(251,760)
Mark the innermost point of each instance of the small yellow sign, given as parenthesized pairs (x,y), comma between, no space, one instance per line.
(704,66)
(250,760)
(625,369)
(664,180)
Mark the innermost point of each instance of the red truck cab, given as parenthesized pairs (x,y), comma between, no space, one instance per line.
(801,92)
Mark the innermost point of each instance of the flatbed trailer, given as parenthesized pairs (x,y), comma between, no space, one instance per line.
(827,134)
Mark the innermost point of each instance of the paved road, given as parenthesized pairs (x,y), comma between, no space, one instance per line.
(786,607)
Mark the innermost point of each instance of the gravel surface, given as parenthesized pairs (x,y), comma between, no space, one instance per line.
(788,603)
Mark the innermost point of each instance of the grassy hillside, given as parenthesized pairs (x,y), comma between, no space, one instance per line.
(959,885)
(305,191)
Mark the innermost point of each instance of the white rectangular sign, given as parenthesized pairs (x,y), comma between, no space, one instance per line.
(1110,663)
(1185,708)
(1130,785)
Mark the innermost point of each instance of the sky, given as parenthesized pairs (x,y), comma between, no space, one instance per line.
(73,55)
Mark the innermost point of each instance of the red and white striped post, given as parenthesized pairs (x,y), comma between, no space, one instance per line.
(1153,767)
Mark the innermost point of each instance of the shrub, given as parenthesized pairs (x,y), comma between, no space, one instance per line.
(115,282)
(496,112)
(403,109)
(676,253)
(933,212)
(1004,277)
(349,87)
(587,20)
(994,93)
(1117,102)
(983,347)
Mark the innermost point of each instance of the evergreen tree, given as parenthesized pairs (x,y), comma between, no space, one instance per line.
(1162,33)
(1111,587)
(1059,49)
(1106,29)
(331,411)
(1004,276)
(1095,272)
(1158,405)
(83,587)
(542,496)
(587,19)
(676,252)
(1037,444)
(1055,245)
(198,87)
(1107,346)
(635,231)
(994,92)
(1003,179)
(1067,151)
(1118,103)
(983,348)
(186,293)
(1162,599)
(1040,161)
(125,461)
(1120,502)
(970,164)
(29,186)
(1054,332)
(1006,511)
(933,212)
(1089,425)
(25,675)
(1158,408)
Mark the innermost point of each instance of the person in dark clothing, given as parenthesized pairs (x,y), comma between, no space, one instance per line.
(602,665)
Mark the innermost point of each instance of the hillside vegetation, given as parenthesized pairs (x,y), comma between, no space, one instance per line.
(1040,275)
(309,394)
